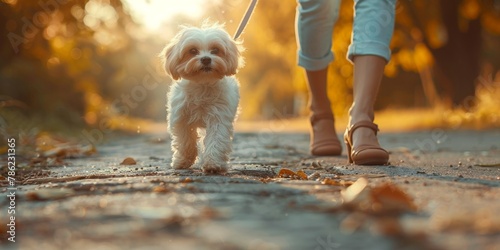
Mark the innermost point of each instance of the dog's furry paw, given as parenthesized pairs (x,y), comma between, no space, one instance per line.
(215,168)
(181,165)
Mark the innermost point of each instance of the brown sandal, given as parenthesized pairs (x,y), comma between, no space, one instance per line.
(328,144)
(365,154)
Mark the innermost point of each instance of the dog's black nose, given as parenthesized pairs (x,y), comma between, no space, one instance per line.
(206,60)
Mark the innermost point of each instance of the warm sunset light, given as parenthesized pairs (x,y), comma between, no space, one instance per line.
(153,13)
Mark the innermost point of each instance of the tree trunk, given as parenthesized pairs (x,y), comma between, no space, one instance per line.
(458,61)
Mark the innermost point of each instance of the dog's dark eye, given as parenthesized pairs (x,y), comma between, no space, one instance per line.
(214,51)
(193,51)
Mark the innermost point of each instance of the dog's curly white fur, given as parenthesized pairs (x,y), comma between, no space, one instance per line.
(205,96)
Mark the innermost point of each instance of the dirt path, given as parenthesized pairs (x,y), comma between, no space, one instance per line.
(453,179)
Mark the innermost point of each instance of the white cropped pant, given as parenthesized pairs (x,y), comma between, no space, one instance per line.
(372,30)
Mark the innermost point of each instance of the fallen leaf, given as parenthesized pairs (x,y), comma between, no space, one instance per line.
(287,173)
(389,197)
(161,189)
(356,193)
(332,182)
(49,194)
(49,145)
(209,213)
(186,180)
(69,151)
(384,198)
(193,189)
(128,161)
(377,207)
(301,175)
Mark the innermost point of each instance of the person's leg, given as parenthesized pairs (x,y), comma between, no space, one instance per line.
(368,72)
(369,51)
(315,21)
(319,103)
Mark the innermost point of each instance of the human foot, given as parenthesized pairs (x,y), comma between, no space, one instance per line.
(363,147)
(324,140)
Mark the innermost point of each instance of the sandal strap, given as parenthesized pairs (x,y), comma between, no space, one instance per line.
(361,124)
(362,148)
(317,117)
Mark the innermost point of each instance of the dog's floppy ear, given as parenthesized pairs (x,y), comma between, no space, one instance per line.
(170,57)
(233,56)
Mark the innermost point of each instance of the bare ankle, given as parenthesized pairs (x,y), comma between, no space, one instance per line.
(358,115)
(355,118)
(320,110)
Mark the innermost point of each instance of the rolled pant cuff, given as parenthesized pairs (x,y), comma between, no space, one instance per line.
(315,64)
(369,48)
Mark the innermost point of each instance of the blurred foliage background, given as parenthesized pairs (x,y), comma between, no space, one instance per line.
(77,64)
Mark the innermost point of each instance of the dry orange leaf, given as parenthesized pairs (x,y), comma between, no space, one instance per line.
(301,175)
(209,213)
(386,197)
(287,173)
(186,180)
(389,197)
(128,161)
(343,183)
(161,189)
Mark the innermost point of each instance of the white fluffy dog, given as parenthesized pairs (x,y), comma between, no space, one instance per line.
(203,62)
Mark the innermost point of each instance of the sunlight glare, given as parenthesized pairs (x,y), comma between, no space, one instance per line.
(153,13)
